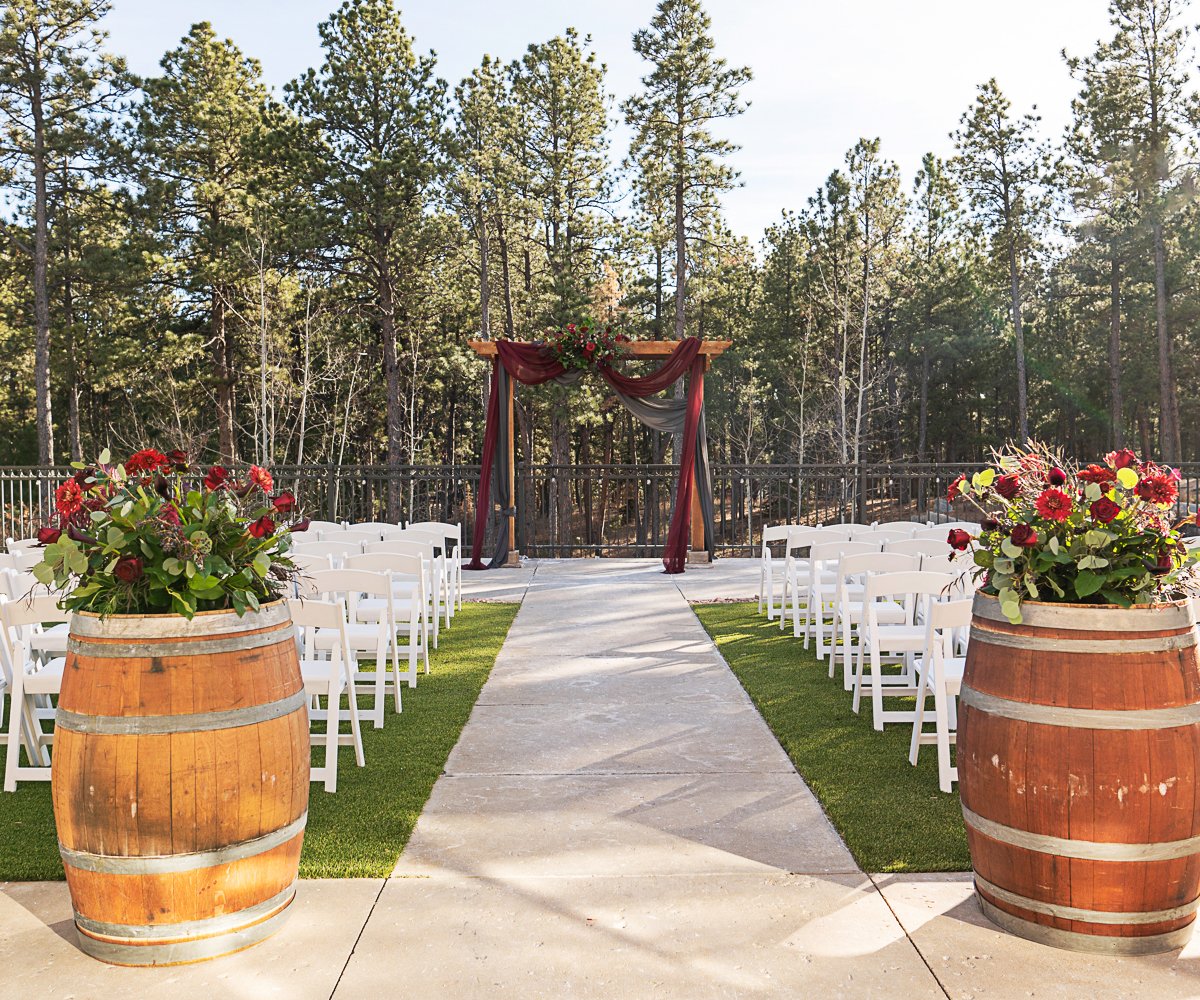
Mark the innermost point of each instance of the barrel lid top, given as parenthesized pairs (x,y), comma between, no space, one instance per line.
(1091,617)
(205,623)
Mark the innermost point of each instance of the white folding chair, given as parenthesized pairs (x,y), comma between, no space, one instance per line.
(772,534)
(316,528)
(374,639)
(16,544)
(451,533)
(940,673)
(31,683)
(897,641)
(327,676)
(440,562)
(433,574)
(883,535)
(410,606)
(852,570)
(307,562)
(918,547)
(25,559)
(797,568)
(822,586)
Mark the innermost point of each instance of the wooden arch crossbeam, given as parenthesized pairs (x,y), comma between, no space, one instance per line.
(709,349)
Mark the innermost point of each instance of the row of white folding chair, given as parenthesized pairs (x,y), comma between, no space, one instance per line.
(450,533)
(940,675)
(792,536)
(796,567)
(328,669)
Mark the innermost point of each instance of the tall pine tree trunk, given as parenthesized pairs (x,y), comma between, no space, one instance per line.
(1014,274)
(923,412)
(1114,355)
(504,275)
(222,355)
(1170,445)
(394,412)
(41,294)
(680,261)
(485,292)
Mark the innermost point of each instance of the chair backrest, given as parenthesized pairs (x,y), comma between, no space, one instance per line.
(370,526)
(309,561)
(430,535)
(882,535)
(310,613)
(909,582)
(21,584)
(339,550)
(325,526)
(402,546)
(23,611)
(940,531)
(397,563)
(803,537)
(832,551)
(16,544)
(446,529)
(951,614)
(361,534)
(909,526)
(875,562)
(774,533)
(918,547)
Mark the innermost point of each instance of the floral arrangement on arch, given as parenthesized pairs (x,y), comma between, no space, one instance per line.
(1100,534)
(150,536)
(585,345)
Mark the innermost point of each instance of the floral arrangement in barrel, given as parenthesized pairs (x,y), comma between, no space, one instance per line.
(586,345)
(1100,534)
(150,536)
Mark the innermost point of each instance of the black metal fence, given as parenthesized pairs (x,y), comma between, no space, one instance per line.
(582,510)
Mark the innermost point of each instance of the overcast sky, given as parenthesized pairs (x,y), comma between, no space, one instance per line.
(825,72)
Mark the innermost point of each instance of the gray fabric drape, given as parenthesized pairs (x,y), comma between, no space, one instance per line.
(669,415)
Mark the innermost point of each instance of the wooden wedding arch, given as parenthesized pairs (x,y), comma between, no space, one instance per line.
(487,350)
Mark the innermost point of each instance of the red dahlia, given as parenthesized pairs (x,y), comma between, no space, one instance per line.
(1098,474)
(261,478)
(1159,488)
(1054,505)
(68,498)
(146,460)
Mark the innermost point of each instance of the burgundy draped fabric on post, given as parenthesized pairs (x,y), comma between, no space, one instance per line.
(531,364)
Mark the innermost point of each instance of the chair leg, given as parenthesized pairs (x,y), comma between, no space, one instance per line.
(762,585)
(860,667)
(876,689)
(16,719)
(914,746)
(946,774)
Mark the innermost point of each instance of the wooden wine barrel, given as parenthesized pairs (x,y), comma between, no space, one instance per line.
(1078,751)
(180,782)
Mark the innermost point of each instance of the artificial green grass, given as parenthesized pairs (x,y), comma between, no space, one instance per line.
(360,830)
(892,815)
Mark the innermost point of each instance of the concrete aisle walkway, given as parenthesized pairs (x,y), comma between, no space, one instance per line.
(617,821)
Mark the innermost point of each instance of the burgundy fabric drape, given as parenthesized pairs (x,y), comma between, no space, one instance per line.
(532,364)
(483,496)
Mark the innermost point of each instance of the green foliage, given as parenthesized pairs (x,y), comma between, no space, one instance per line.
(149,537)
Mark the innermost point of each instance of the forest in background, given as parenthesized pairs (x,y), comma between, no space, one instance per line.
(191,260)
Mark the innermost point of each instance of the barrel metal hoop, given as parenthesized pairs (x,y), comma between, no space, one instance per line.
(197,647)
(209,926)
(1091,617)
(192,722)
(1133,720)
(169,864)
(1103,647)
(139,628)
(1095,944)
(1085,850)
(180,952)
(1064,912)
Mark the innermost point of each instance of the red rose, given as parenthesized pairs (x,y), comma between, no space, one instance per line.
(68,498)
(146,460)
(952,492)
(1122,459)
(1008,486)
(958,539)
(216,478)
(83,475)
(301,525)
(590,347)
(261,528)
(1162,565)
(1054,504)
(1056,477)
(1104,510)
(1158,488)
(285,502)
(262,479)
(48,536)
(128,569)
(1024,535)
(1098,474)
(570,328)
(178,460)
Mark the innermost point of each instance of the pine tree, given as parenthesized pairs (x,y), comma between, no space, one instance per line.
(54,76)
(686,92)
(374,158)
(1003,169)
(200,148)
